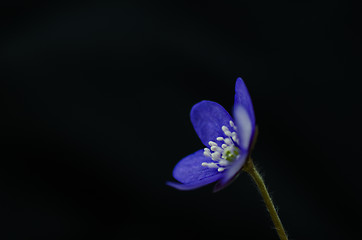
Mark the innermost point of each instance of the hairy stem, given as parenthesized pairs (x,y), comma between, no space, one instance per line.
(250,168)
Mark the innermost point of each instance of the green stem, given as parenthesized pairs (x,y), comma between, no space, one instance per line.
(250,168)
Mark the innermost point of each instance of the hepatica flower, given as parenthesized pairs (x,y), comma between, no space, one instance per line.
(227,143)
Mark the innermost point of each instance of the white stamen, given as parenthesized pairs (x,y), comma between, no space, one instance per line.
(231,124)
(209,165)
(213,148)
(220,169)
(215,156)
(223,162)
(220,139)
(225,128)
(216,149)
(207,154)
(213,165)
(228,133)
(211,143)
(228,141)
(235,137)
(224,146)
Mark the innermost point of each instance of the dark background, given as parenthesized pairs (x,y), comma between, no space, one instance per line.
(95,114)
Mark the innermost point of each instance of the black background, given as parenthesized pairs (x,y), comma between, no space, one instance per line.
(95,114)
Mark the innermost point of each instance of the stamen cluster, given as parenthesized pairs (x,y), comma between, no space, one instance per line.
(223,156)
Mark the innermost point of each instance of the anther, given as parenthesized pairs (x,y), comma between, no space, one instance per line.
(224,146)
(228,133)
(215,156)
(228,141)
(210,165)
(220,139)
(211,143)
(216,149)
(235,137)
(207,154)
(220,169)
(225,128)
(223,162)
(231,124)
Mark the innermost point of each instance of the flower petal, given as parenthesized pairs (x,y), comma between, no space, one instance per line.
(190,171)
(190,186)
(231,172)
(242,98)
(244,125)
(207,118)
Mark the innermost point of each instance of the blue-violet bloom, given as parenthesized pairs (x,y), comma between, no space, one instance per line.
(227,141)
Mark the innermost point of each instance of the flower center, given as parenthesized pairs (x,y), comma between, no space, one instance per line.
(223,156)
(230,153)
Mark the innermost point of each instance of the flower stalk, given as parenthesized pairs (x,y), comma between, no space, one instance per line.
(249,167)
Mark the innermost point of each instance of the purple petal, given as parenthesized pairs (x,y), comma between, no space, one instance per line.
(190,171)
(242,98)
(244,126)
(190,186)
(207,118)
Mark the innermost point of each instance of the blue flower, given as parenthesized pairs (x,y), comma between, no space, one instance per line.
(227,141)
